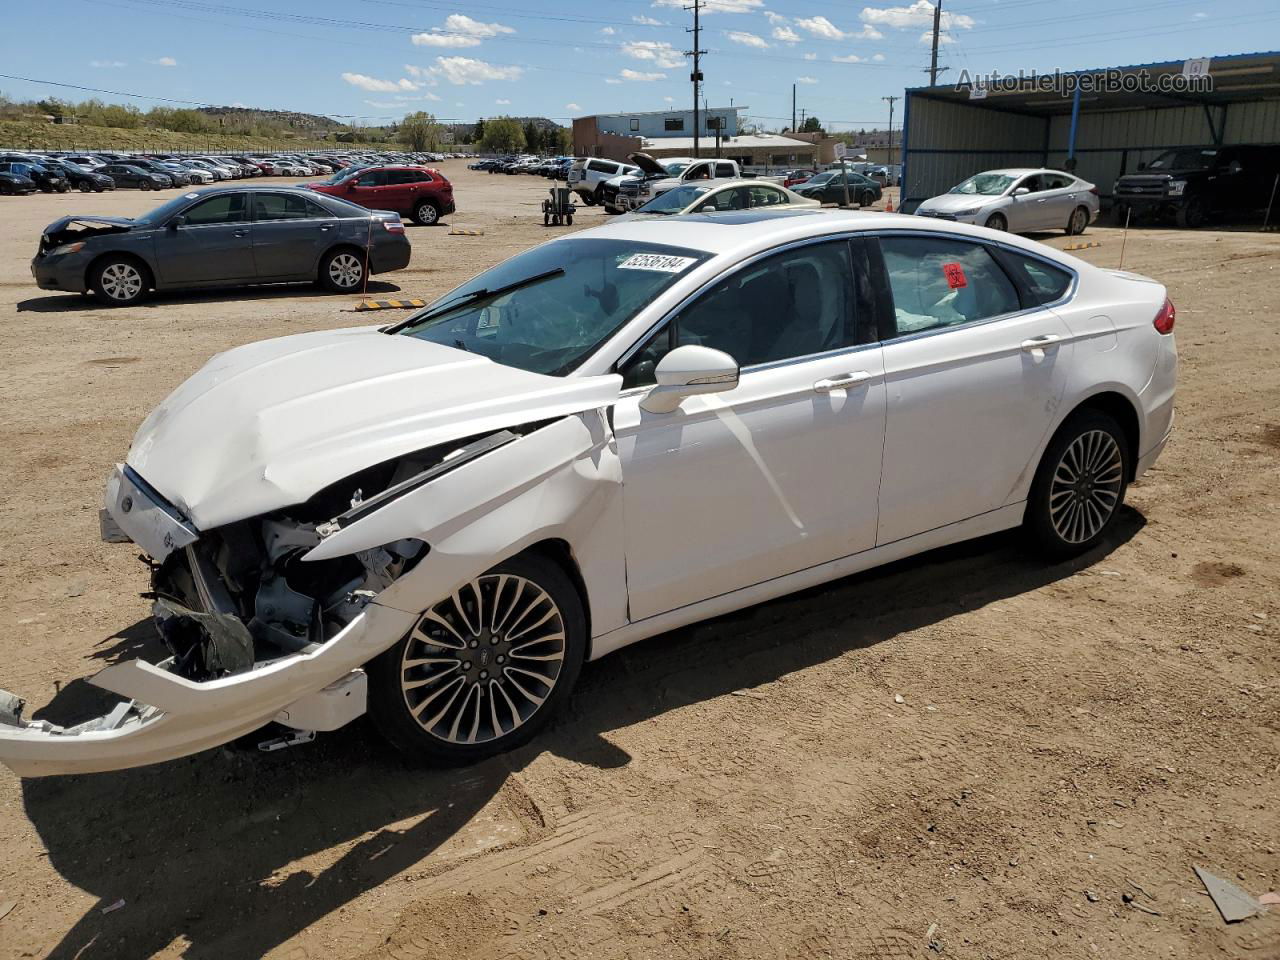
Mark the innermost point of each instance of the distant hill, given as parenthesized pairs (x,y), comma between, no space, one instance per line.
(275,118)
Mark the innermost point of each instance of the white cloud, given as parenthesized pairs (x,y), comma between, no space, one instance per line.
(849,58)
(806,80)
(503,103)
(868,32)
(660,52)
(647,22)
(612,80)
(164,62)
(668,99)
(716,6)
(464,70)
(919,14)
(626,74)
(460,30)
(786,35)
(774,18)
(608,31)
(821,27)
(944,38)
(107,63)
(878,58)
(572,106)
(1201,15)
(374,85)
(748,39)
(811,56)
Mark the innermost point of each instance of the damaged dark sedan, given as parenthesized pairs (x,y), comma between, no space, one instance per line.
(222,236)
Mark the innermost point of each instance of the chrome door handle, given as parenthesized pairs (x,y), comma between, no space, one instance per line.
(325,227)
(240,233)
(1039,343)
(842,383)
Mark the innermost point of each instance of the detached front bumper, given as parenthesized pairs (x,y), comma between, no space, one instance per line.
(64,272)
(165,715)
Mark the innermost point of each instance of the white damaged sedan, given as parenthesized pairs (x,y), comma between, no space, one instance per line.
(611,435)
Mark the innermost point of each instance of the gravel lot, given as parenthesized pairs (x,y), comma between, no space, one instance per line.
(1068,736)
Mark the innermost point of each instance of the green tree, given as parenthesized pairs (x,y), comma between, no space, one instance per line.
(532,137)
(811,125)
(419,131)
(503,135)
(477,132)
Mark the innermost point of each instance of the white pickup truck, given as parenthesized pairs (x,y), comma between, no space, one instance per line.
(659,176)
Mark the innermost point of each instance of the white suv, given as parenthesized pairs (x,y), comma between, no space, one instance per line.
(588,173)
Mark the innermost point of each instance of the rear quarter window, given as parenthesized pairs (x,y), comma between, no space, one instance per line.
(1045,282)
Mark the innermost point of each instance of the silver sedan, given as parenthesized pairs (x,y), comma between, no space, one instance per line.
(1021,200)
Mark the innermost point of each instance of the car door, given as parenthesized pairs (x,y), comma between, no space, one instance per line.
(974,381)
(290,233)
(1023,212)
(214,242)
(1057,200)
(369,189)
(779,473)
(410,187)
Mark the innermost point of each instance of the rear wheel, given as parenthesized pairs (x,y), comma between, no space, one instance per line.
(588,198)
(1078,222)
(144,184)
(85,186)
(426,213)
(342,271)
(119,282)
(997,222)
(484,669)
(1079,485)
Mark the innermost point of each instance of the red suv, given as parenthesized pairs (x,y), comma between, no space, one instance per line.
(418,192)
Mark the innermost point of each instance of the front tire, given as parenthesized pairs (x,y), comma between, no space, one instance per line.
(1079,485)
(997,222)
(485,669)
(119,281)
(342,271)
(1192,214)
(1078,223)
(85,186)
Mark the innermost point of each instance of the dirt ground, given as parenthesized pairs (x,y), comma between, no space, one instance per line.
(970,754)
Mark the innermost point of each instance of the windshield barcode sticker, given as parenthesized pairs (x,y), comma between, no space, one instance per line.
(656,261)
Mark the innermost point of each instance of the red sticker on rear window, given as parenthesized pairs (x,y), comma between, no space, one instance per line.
(955,275)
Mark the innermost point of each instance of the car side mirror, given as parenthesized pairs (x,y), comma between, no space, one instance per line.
(177,222)
(1021,192)
(687,371)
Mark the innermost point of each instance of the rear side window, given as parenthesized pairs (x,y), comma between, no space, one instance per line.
(939,282)
(762,196)
(724,170)
(284,206)
(1043,281)
(600,166)
(408,176)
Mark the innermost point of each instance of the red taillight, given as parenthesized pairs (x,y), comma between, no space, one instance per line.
(1165,318)
(393,226)
(1094,191)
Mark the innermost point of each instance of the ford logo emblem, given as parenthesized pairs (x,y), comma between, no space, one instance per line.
(126,504)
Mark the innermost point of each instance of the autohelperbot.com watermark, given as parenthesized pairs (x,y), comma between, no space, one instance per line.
(1194,78)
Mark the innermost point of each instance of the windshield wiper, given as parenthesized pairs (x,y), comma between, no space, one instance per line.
(474,296)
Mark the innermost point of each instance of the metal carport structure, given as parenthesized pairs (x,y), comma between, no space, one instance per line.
(951,132)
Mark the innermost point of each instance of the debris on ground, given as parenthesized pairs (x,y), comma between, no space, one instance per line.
(6,908)
(1091,896)
(1232,902)
(110,908)
(899,698)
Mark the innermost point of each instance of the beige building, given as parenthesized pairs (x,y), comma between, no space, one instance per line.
(767,150)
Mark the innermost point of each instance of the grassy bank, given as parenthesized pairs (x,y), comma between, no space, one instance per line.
(37,135)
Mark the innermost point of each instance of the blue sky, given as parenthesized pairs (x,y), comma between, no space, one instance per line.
(378,59)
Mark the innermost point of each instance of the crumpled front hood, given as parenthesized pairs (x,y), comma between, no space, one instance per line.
(267,425)
(955,202)
(61,224)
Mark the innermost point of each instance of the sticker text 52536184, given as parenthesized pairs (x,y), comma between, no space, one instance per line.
(655,261)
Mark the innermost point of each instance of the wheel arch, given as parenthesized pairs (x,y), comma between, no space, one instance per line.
(149,273)
(334,248)
(1120,408)
(559,552)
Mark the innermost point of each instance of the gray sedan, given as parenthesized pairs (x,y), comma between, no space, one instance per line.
(222,236)
(1021,200)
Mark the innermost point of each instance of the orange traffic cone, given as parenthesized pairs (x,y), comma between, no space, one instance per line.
(888,205)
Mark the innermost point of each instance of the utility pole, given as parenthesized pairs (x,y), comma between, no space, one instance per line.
(937,29)
(793,108)
(892,101)
(696,75)
(797,129)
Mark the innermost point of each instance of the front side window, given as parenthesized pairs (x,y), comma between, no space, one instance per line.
(566,299)
(792,304)
(940,282)
(735,198)
(374,178)
(224,208)
(1032,184)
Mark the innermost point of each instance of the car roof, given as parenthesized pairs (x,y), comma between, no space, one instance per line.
(745,232)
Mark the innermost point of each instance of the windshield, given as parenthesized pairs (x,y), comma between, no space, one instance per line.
(675,167)
(673,201)
(572,296)
(1184,159)
(821,178)
(163,212)
(345,173)
(985,184)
